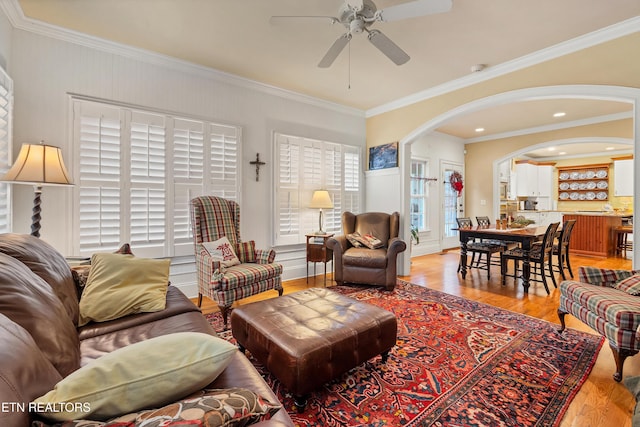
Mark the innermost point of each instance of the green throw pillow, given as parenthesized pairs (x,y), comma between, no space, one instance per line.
(146,374)
(119,285)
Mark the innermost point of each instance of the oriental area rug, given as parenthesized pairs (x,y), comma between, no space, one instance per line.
(456,363)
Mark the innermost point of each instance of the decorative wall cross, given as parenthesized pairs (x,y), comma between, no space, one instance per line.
(258,163)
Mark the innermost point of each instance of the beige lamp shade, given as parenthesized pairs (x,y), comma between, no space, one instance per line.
(321,200)
(38,164)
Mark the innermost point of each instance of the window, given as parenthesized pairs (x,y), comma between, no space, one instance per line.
(6,99)
(419,194)
(137,172)
(304,165)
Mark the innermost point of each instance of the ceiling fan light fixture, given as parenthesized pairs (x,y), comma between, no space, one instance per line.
(357,26)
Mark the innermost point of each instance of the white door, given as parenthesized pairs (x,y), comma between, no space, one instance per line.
(452,205)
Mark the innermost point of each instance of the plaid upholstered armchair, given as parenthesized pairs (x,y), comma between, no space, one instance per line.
(228,268)
(608,301)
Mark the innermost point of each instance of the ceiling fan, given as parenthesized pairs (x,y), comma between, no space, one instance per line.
(358,15)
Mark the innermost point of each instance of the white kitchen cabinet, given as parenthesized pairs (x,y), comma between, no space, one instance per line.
(623,177)
(545,178)
(533,180)
(526,180)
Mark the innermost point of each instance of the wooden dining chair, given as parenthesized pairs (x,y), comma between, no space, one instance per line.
(480,248)
(539,256)
(561,249)
(484,221)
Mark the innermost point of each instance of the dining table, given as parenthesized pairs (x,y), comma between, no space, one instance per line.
(525,236)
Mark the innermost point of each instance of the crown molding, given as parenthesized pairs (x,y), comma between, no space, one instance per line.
(594,38)
(19,21)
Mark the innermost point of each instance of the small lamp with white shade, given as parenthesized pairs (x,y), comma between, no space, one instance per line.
(321,200)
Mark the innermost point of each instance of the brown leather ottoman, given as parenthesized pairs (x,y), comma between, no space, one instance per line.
(311,337)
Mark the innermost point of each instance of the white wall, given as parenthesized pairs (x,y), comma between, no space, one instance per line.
(383,190)
(46,69)
(436,147)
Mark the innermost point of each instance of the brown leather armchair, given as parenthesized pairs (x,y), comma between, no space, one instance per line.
(361,264)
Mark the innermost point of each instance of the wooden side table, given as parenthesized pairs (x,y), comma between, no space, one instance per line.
(317,251)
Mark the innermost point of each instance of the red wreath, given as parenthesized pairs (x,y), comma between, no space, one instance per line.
(456,182)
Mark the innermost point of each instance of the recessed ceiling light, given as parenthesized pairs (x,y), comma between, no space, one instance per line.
(560,114)
(562,153)
(610,148)
(551,149)
(479,129)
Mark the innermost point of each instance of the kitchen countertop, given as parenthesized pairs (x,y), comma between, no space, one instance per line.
(587,213)
(598,213)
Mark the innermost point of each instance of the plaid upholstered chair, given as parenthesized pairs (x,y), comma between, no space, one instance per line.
(224,281)
(609,302)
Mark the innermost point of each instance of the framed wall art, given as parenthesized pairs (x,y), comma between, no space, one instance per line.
(383,156)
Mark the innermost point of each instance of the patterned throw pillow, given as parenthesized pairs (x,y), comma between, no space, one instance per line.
(370,241)
(630,285)
(353,239)
(221,250)
(246,251)
(212,408)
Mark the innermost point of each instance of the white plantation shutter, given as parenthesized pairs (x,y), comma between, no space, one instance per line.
(312,179)
(305,165)
(6,94)
(147,177)
(351,192)
(97,134)
(224,160)
(288,150)
(333,184)
(138,172)
(188,151)
(188,178)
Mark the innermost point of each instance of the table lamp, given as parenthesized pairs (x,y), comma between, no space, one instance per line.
(321,200)
(38,165)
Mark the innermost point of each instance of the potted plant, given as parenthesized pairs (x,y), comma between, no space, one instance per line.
(415,236)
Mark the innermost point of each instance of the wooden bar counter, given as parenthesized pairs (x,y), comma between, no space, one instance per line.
(593,233)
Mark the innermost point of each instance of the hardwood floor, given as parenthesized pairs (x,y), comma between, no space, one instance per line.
(601,402)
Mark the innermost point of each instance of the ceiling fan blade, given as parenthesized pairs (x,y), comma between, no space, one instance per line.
(280,19)
(414,9)
(334,51)
(389,48)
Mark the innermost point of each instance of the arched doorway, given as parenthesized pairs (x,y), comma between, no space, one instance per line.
(597,92)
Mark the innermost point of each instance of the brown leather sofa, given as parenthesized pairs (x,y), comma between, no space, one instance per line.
(41,342)
(364,265)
